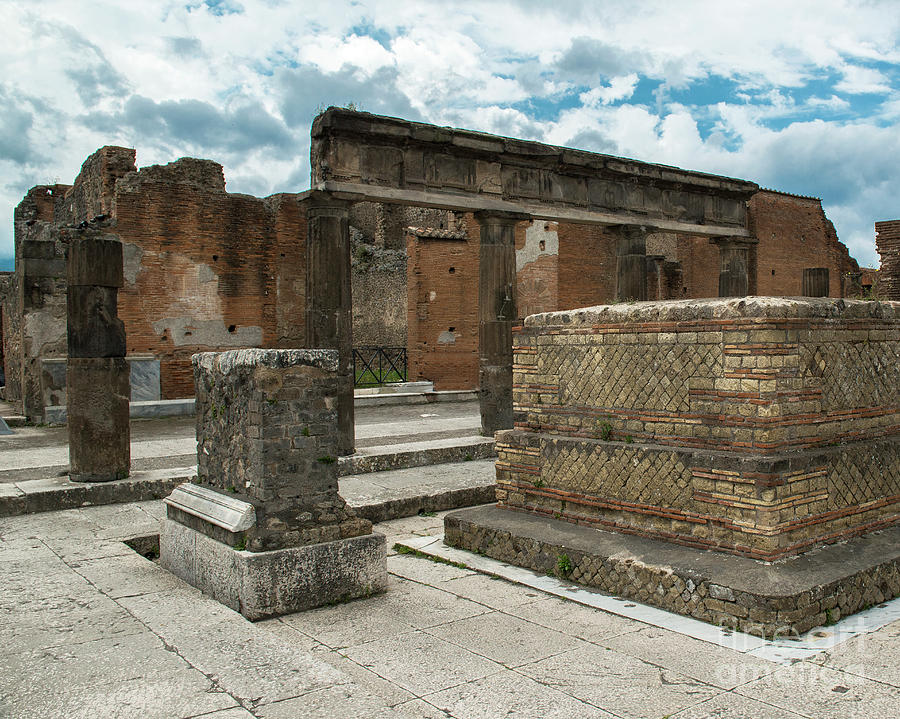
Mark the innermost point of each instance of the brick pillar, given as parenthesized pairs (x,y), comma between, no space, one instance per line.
(97,379)
(887,243)
(631,262)
(734,265)
(815,282)
(329,309)
(497,311)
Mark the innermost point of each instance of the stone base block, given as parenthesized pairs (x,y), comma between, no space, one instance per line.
(261,585)
(783,599)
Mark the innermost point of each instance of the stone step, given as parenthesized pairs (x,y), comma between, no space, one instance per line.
(453,470)
(381,458)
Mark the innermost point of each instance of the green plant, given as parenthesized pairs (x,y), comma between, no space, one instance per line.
(231,488)
(538,483)
(563,565)
(468,457)
(628,439)
(327,459)
(427,513)
(305,432)
(605,431)
(241,544)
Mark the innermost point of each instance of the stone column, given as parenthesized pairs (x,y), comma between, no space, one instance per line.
(815,282)
(734,264)
(264,530)
(631,262)
(97,381)
(497,311)
(329,308)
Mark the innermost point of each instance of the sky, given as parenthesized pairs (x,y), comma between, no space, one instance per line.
(796,95)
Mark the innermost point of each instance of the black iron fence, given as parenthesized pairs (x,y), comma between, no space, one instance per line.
(378,365)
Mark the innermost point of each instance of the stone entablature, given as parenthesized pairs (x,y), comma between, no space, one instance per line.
(759,426)
(388,159)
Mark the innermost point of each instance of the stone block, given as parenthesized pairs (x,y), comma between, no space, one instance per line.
(95,261)
(144,375)
(93,328)
(261,585)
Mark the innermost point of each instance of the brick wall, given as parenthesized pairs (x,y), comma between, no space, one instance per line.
(761,432)
(199,270)
(887,242)
(587,266)
(442,322)
(794,234)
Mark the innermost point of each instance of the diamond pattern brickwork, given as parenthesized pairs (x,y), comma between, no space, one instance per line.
(854,478)
(629,474)
(632,376)
(854,374)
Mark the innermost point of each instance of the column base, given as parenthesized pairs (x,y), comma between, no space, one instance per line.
(261,585)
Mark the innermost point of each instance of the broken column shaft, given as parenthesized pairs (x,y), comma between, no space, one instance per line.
(497,312)
(734,265)
(97,376)
(631,262)
(329,309)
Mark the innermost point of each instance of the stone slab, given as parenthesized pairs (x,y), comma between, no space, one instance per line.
(261,585)
(4,427)
(136,410)
(766,599)
(56,493)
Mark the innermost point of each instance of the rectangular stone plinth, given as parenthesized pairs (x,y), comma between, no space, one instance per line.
(784,600)
(267,434)
(260,585)
(99,437)
(758,426)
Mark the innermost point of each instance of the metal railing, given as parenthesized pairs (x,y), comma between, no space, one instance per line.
(378,365)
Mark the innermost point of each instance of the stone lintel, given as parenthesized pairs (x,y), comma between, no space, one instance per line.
(734,242)
(358,192)
(208,505)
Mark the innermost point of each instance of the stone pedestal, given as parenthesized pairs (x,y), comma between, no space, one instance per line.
(264,529)
(97,382)
(631,262)
(329,309)
(497,311)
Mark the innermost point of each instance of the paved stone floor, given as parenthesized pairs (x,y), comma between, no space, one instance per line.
(92,629)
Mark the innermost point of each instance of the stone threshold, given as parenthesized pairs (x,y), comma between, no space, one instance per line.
(782,599)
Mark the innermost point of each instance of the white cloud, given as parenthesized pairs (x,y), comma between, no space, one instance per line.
(860,80)
(619,88)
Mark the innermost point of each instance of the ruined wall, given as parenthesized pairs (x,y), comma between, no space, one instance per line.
(40,330)
(755,426)
(537,267)
(9,333)
(443,306)
(199,270)
(379,296)
(794,234)
(887,242)
(587,266)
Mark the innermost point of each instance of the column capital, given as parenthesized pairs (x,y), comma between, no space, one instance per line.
(323,203)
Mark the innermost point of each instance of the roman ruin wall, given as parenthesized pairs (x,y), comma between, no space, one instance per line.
(887,242)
